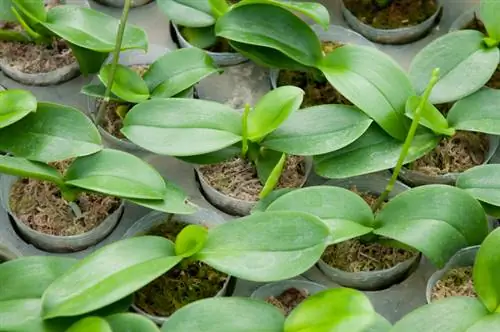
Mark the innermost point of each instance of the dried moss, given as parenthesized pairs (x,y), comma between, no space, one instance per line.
(456,282)
(288,300)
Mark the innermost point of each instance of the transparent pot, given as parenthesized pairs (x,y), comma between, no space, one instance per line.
(463,20)
(221,59)
(372,280)
(54,243)
(391,36)
(463,258)
(203,217)
(121,3)
(277,288)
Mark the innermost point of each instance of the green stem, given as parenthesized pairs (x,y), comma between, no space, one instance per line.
(408,141)
(244,132)
(114,63)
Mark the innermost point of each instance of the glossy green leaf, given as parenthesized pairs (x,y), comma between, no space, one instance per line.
(170,126)
(175,201)
(437,220)
(98,91)
(244,248)
(5,11)
(92,29)
(477,112)
(226,314)
(52,133)
(177,71)
(116,173)
(109,274)
(34,10)
(15,105)
(127,322)
(274,177)
(460,57)
(187,12)
(190,240)
(263,25)
(482,182)
(29,277)
(487,324)
(89,61)
(94,324)
(266,162)
(486,272)
(264,203)
(454,314)
(489,12)
(374,151)
(430,116)
(340,309)
(127,84)
(213,157)
(361,75)
(200,37)
(219,7)
(24,168)
(318,130)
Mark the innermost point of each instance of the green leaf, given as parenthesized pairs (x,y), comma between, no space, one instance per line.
(15,105)
(213,157)
(190,240)
(477,112)
(109,274)
(263,25)
(340,309)
(218,315)
(266,162)
(52,133)
(29,277)
(116,173)
(187,12)
(272,110)
(264,203)
(34,10)
(461,57)
(98,91)
(89,61)
(127,84)
(315,11)
(489,13)
(486,272)
(318,130)
(92,30)
(30,169)
(200,37)
(127,322)
(453,314)
(243,248)
(487,324)
(219,7)
(170,126)
(5,11)
(374,151)
(430,116)
(361,75)
(94,324)
(437,220)
(482,182)
(274,177)
(177,71)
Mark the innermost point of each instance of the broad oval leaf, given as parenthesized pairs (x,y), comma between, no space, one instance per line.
(374,151)
(170,126)
(189,13)
(477,112)
(318,130)
(482,182)
(116,173)
(29,169)
(486,272)
(272,110)
(108,275)
(226,314)
(15,105)
(127,84)
(266,246)
(94,324)
(190,240)
(487,324)
(127,322)
(489,11)
(272,27)
(33,10)
(465,65)
(52,133)
(372,81)
(430,116)
(437,220)
(91,29)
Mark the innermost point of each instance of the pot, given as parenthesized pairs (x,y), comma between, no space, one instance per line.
(121,3)
(372,280)
(463,20)
(335,33)
(463,258)
(7,254)
(230,205)
(391,36)
(220,59)
(414,178)
(277,288)
(54,243)
(202,217)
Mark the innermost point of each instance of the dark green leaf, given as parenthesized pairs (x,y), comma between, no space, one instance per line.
(30,169)
(489,12)
(89,61)
(486,272)
(190,240)
(94,324)
(15,105)
(127,84)
(482,182)
(430,116)
(200,37)
(127,322)
(187,12)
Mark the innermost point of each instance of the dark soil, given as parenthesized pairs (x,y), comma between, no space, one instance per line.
(398,14)
(183,284)
(40,206)
(457,282)
(238,178)
(288,300)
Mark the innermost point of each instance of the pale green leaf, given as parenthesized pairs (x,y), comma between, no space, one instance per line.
(30,169)
(127,84)
(219,7)
(490,11)
(175,201)
(94,324)
(274,176)
(127,322)
(486,272)
(187,12)
(482,182)
(190,240)
(430,116)
(15,105)
(487,324)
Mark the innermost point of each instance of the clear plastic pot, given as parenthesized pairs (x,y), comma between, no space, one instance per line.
(121,3)
(202,217)
(463,258)
(277,288)
(463,20)
(53,243)
(221,59)
(415,178)
(231,205)
(373,280)
(391,36)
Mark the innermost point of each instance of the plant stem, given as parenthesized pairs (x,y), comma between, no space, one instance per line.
(244,132)
(114,63)
(408,140)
